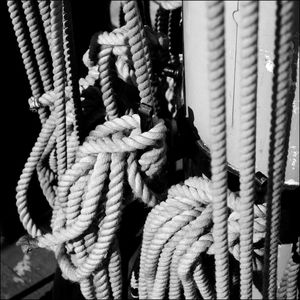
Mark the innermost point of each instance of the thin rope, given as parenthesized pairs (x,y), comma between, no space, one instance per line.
(57,53)
(279,135)
(249,40)
(216,86)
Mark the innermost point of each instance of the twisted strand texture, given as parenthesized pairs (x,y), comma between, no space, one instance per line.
(44,8)
(139,51)
(39,49)
(26,53)
(216,86)
(23,183)
(169,5)
(279,135)
(177,240)
(105,72)
(249,39)
(57,53)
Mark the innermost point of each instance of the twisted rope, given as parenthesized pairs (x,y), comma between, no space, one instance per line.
(169,5)
(57,53)
(139,51)
(105,72)
(279,136)
(25,50)
(249,40)
(216,86)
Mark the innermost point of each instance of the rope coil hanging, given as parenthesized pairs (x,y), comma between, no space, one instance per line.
(177,234)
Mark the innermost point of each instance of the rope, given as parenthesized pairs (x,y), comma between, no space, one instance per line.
(57,54)
(25,51)
(105,72)
(139,51)
(177,235)
(279,136)
(216,86)
(39,49)
(169,5)
(249,39)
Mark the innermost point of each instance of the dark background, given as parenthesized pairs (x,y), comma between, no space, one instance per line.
(20,126)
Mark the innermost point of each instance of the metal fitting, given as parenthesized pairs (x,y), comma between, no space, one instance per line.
(261,181)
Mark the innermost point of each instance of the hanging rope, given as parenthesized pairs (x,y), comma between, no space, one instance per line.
(140,55)
(216,86)
(279,136)
(39,49)
(247,143)
(177,242)
(57,53)
(26,53)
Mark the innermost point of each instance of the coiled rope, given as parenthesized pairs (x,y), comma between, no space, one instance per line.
(216,86)
(249,39)
(88,197)
(279,136)
(177,234)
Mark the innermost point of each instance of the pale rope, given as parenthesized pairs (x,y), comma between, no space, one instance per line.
(25,51)
(247,140)
(57,54)
(288,286)
(152,240)
(106,83)
(44,8)
(23,183)
(139,51)
(279,136)
(39,49)
(216,86)
(154,221)
(169,5)
(114,272)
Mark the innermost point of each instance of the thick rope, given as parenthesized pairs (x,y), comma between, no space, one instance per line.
(216,86)
(139,51)
(177,232)
(106,79)
(249,40)
(279,136)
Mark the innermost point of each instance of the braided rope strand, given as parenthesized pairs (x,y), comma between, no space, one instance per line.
(216,86)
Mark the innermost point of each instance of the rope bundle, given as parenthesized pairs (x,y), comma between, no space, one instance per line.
(178,237)
(85,184)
